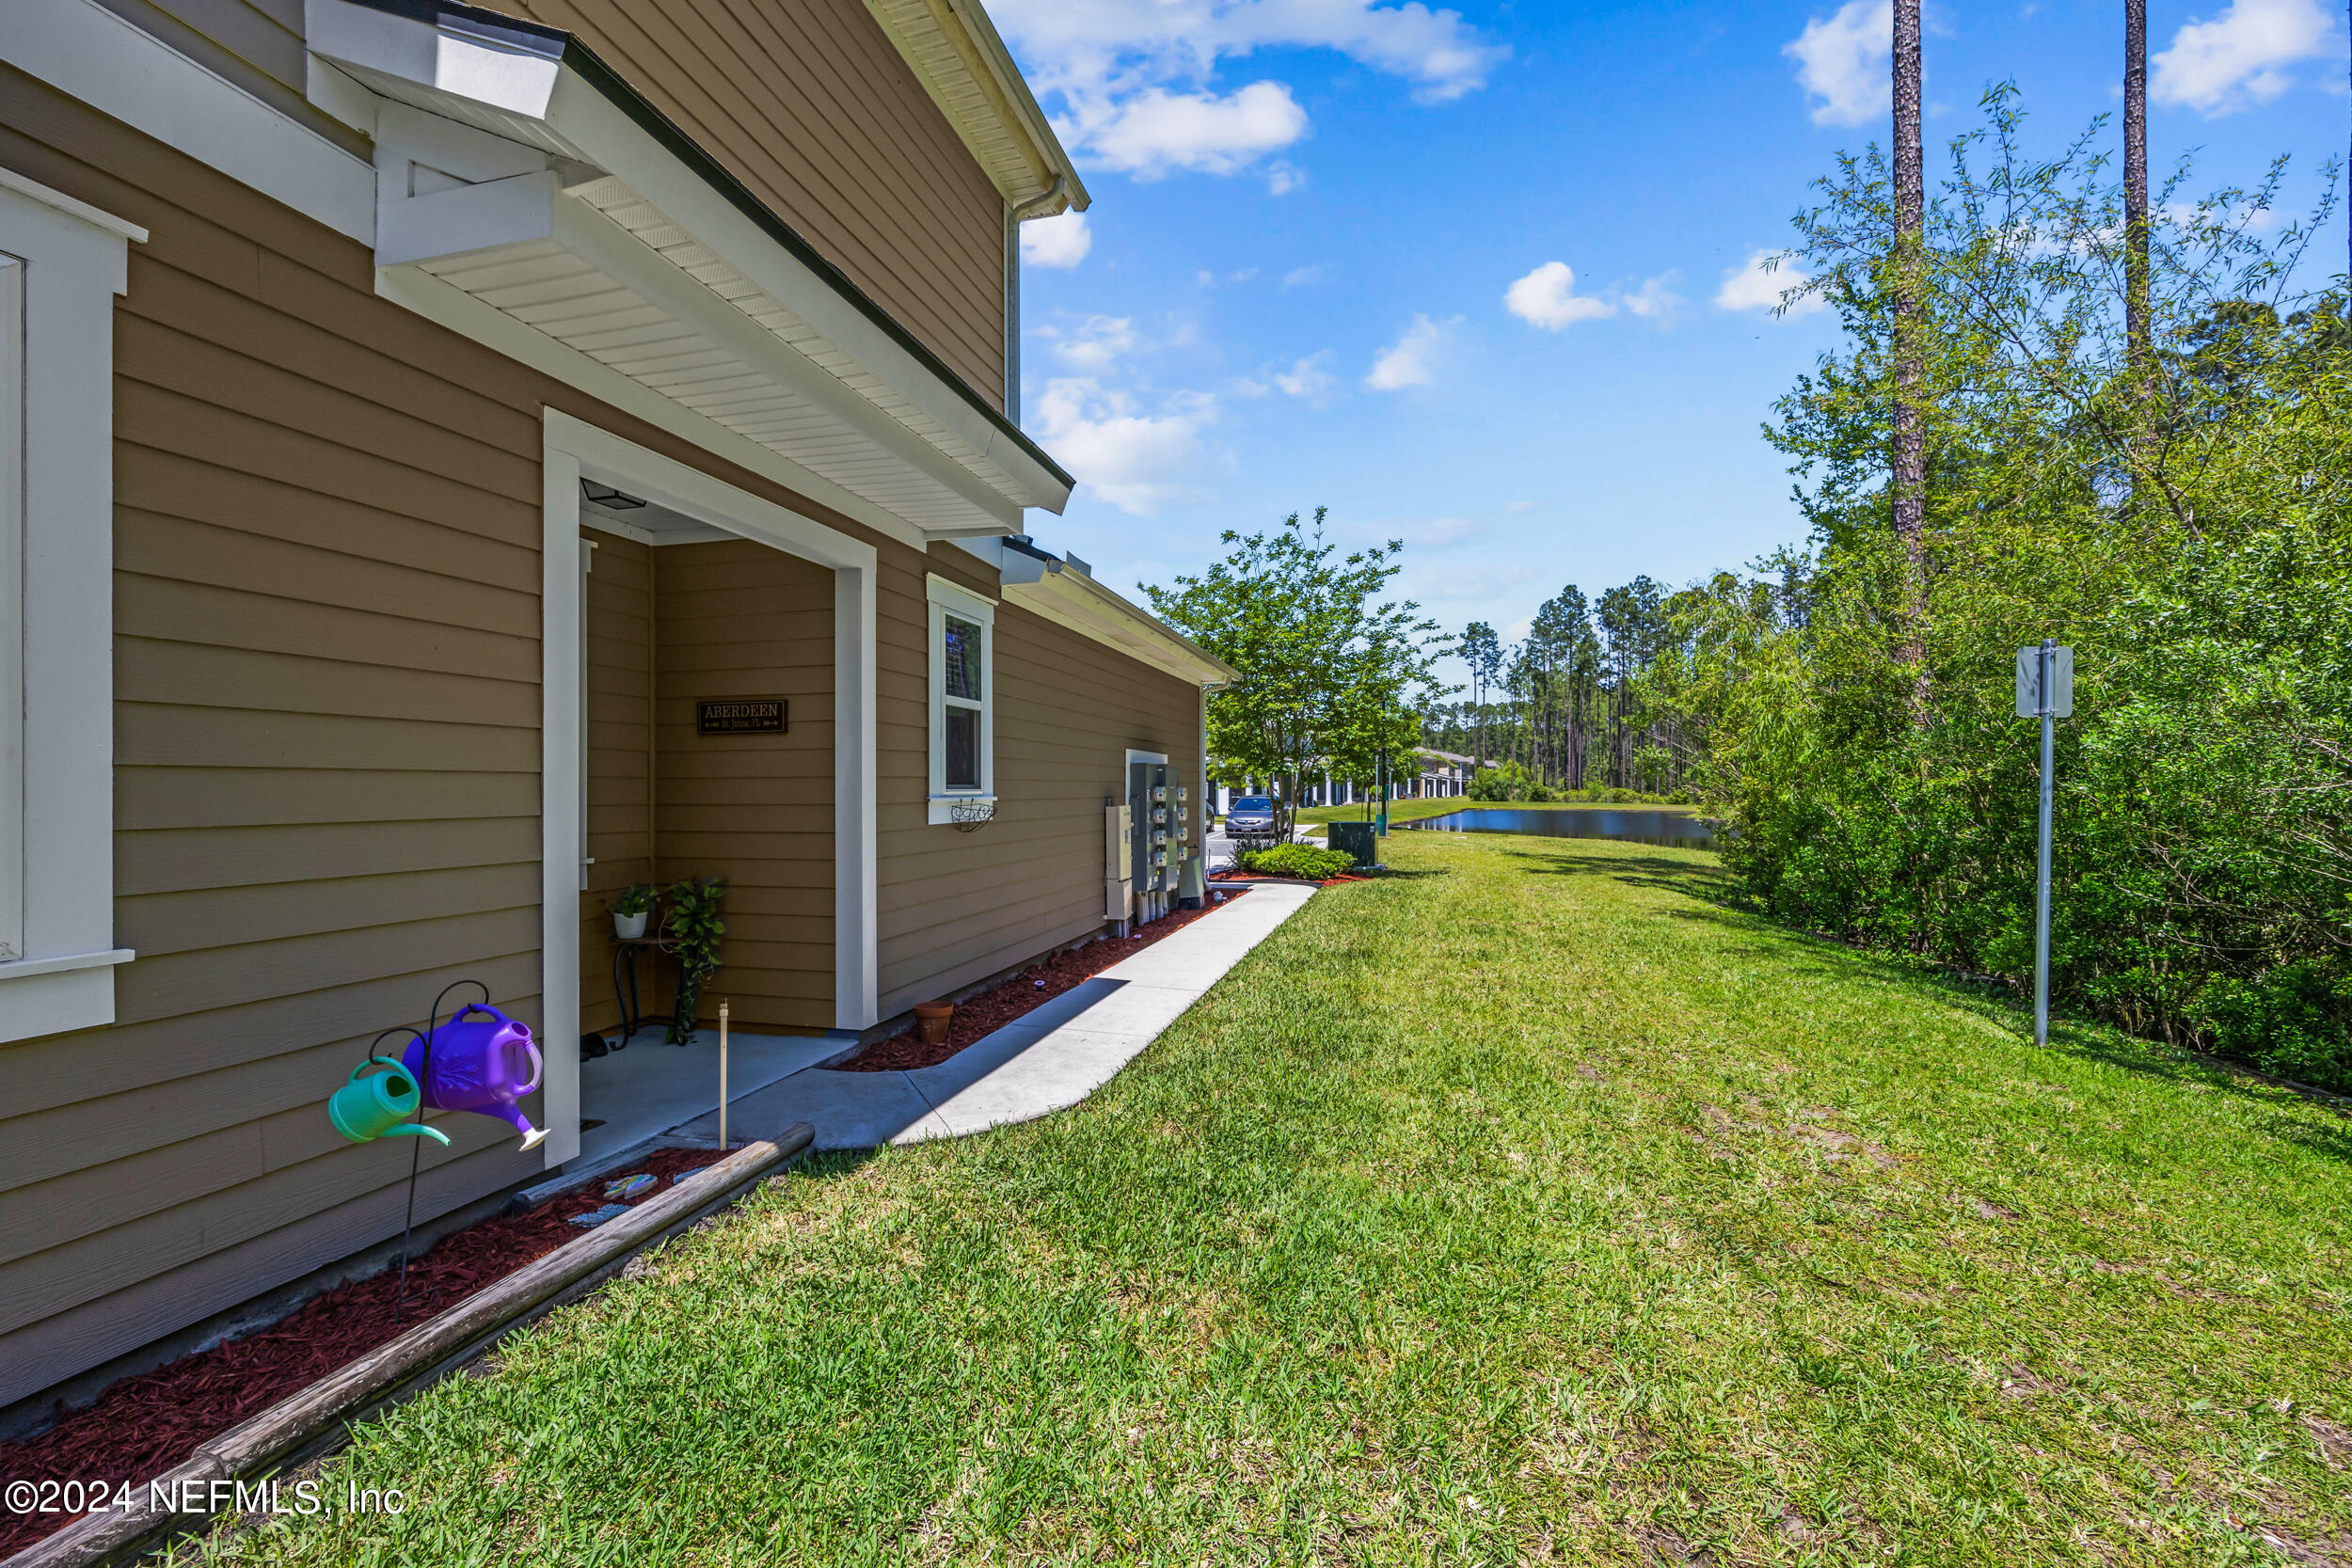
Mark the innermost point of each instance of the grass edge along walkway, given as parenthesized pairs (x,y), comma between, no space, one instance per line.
(1532,1203)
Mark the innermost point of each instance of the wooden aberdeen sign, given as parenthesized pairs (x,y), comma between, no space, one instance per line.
(740,716)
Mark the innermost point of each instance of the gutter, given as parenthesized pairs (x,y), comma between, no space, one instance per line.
(536,40)
(1024,563)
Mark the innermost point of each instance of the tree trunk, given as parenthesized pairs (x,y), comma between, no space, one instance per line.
(1910,454)
(2135,181)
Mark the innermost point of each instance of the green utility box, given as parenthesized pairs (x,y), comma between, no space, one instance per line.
(1357,839)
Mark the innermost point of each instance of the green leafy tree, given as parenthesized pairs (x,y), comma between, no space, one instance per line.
(2181,515)
(1332,671)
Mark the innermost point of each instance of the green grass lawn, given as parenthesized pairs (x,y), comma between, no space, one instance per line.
(1531,1204)
(1413,810)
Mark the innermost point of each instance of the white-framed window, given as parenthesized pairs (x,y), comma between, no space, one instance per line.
(61,265)
(963,697)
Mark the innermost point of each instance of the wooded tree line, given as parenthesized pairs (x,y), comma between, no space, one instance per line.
(1569,706)
(2065,406)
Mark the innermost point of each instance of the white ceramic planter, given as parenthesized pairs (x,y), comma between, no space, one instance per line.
(628,928)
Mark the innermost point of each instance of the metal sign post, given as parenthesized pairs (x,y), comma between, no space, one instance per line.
(2045,691)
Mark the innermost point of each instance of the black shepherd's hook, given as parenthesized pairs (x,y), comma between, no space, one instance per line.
(415,1153)
(404,1029)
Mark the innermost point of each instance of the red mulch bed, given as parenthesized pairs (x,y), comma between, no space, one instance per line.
(144,1425)
(980,1016)
(1233,879)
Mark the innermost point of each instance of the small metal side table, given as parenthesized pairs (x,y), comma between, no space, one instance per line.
(624,951)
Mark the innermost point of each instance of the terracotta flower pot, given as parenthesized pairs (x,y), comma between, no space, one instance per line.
(932,1020)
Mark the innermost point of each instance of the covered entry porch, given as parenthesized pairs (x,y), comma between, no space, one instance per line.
(713,720)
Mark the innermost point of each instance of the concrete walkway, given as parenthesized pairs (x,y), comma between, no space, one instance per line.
(1045,1061)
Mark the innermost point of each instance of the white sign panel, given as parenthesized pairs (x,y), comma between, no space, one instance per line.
(2029,683)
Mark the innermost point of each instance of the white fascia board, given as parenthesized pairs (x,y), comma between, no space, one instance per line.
(609,138)
(458,310)
(629,260)
(84,50)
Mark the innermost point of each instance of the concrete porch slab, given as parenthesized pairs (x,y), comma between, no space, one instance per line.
(651,1088)
(1047,1060)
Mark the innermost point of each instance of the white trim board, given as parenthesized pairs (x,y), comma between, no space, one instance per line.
(573,450)
(67,261)
(82,49)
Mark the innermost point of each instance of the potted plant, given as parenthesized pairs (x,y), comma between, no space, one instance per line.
(630,910)
(693,927)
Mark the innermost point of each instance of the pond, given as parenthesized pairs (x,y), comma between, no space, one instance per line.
(1680,829)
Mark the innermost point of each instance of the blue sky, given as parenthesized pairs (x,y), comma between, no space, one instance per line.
(1474,279)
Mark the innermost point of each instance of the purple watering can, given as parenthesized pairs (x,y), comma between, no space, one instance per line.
(483,1061)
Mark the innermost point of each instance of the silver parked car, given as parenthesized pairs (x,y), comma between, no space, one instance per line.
(1251,814)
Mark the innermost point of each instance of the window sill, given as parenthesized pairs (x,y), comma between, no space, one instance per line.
(54,996)
(943,806)
(20,968)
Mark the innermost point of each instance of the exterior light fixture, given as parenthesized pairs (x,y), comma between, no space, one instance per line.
(607,498)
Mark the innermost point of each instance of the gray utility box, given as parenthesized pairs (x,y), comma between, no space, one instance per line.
(1357,839)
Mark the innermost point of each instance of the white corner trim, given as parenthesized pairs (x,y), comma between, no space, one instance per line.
(11,180)
(462,313)
(574,449)
(560,728)
(856,862)
(82,49)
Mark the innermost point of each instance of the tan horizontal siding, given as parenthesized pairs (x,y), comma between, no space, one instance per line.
(955,907)
(163,1302)
(326,678)
(619,690)
(735,619)
(809,104)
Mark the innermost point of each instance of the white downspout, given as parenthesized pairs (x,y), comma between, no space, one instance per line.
(1037,206)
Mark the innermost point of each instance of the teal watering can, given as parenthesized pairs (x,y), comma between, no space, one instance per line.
(379,1104)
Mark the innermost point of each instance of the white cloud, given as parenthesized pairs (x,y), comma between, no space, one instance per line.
(2236,61)
(1075,46)
(1411,360)
(1137,461)
(1298,277)
(1095,344)
(1654,298)
(1307,377)
(1133,76)
(1156,131)
(1060,240)
(1282,179)
(1842,60)
(1757,285)
(1548,298)
(1518,506)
